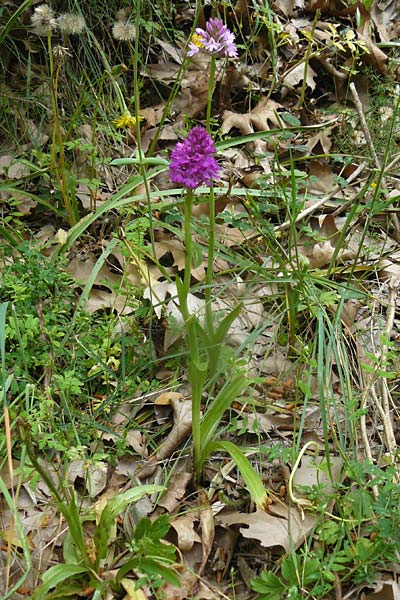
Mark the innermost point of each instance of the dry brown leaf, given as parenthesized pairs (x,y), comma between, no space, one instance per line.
(386,17)
(184,526)
(323,178)
(288,7)
(295,76)
(311,473)
(383,590)
(207,528)
(375,56)
(283,525)
(191,588)
(388,269)
(166,397)
(94,474)
(136,440)
(81,270)
(283,528)
(323,138)
(182,426)
(165,72)
(100,299)
(260,118)
(175,492)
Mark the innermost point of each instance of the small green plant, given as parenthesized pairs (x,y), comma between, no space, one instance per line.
(353,545)
(152,557)
(58,354)
(83,566)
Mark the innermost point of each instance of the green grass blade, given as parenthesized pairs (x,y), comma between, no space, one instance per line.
(231,390)
(22,539)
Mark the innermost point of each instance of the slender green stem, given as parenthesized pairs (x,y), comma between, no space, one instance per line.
(197,369)
(188,253)
(210,93)
(210,262)
(57,149)
(211,239)
(197,377)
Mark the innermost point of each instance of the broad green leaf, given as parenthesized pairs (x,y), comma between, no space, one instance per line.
(71,514)
(128,566)
(151,567)
(159,528)
(56,575)
(288,571)
(219,405)
(225,324)
(251,478)
(113,508)
(65,590)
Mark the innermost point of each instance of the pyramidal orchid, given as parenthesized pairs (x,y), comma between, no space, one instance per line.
(192,161)
(216,39)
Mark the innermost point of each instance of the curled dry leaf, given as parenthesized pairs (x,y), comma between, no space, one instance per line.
(184,526)
(282,528)
(260,118)
(263,115)
(296,75)
(175,491)
(93,474)
(182,426)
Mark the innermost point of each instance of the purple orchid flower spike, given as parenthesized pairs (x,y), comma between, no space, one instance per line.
(216,39)
(192,161)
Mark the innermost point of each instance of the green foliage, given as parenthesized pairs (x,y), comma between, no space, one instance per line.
(152,557)
(355,544)
(52,364)
(81,569)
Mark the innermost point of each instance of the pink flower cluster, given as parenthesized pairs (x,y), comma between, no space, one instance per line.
(215,39)
(192,161)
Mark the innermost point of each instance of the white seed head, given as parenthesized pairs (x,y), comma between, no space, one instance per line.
(71,23)
(42,20)
(124,31)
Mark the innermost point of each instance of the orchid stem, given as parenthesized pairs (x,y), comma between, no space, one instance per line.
(188,253)
(211,239)
(211,82)
(197,370)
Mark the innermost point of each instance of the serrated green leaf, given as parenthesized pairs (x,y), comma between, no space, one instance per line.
(269,585)
(142,528)
(288,571)
(290,119)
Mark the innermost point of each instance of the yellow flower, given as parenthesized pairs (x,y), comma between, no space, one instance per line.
(126,121)
(197,40)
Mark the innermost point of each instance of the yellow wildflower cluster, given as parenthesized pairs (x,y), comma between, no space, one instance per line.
(126,121)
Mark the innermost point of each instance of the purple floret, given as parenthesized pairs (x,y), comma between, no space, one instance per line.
(215,39)
(192,161)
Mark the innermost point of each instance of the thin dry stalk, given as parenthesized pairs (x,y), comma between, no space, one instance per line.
(370,144)
(311,209)
(364,126)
